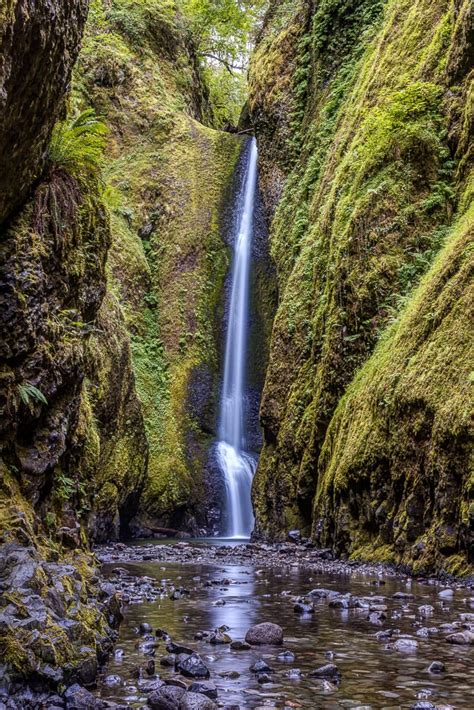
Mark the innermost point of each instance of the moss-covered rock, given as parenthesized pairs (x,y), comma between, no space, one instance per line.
(170,177)
(373,172)
(37,41)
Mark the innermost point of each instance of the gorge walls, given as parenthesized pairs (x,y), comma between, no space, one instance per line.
(363,114)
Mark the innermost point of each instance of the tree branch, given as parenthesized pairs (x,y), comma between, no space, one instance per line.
(228,65)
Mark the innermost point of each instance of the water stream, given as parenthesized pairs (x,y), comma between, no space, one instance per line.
(375,674)
(237,465)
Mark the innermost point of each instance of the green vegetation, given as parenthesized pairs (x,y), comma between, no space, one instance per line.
(167,181)
(371,184)
(28,393)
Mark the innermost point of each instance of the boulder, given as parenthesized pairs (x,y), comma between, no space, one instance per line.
(204,687)
(166,698)
(192,666)
(265,634)
(196,701)
(330,670)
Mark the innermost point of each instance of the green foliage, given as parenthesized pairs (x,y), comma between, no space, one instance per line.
(227,94)
(222,31)
(144,20)
(339,25)
(77,147)
(29,394)
(222,28)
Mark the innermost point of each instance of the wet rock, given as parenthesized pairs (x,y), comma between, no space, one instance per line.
(330,670)
(150,685)
(377,617)
(177,648)
(149,667)
(403,595)
(168,661)
(423,705)
(112,680)
(286,657)
(294,536)
(233,675)
(86,669)
(324,594)
(263,678)
(303,607)
(220,638)
(436,667)
(294,673)
(166,698)
(192,666)
(196,701)
(426,609)
(177,682)
(79,698)
(145,628)
(240,646)
(406,645)
(260,666)
(426,631)
(265,634)
(446,594)
(204,687)
(462,638)
(346,601)
(162,634)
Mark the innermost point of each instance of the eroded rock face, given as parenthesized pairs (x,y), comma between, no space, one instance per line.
(56,622)
(374,464)
(38,41)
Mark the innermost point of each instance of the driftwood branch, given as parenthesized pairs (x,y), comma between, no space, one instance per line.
(169,532)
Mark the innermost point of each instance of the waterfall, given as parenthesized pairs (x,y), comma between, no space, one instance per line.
(238,466)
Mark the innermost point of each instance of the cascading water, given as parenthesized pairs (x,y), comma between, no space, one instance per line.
(238,466)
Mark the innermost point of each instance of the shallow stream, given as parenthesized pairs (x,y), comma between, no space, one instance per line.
(373,673)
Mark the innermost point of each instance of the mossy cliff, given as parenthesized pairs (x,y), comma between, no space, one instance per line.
(53,251)
(170,177)
(364,117)
(36,39)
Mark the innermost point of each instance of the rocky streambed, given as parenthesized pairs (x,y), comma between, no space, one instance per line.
(334,634)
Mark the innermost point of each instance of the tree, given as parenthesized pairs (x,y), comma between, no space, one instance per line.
(222,29)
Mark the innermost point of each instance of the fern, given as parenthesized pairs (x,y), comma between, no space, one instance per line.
(75,159)
(29,393)
(78,147)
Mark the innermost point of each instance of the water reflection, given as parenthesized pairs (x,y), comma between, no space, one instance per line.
(373,674)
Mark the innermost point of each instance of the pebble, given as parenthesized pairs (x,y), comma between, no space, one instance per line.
(436,667)
(406,645)
(286,657)
(330,670)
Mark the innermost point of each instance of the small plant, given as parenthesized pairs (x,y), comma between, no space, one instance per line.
(78,146)
(75,156)
(29,394)
(65,487)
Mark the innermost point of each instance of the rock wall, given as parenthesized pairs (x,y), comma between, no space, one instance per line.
(71,465)
(171,179)
(362,115)
(37,40)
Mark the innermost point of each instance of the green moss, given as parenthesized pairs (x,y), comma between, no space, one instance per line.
(366,207)
(167,177)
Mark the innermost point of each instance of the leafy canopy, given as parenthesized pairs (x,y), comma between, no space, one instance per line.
(222,29)
(223,32)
